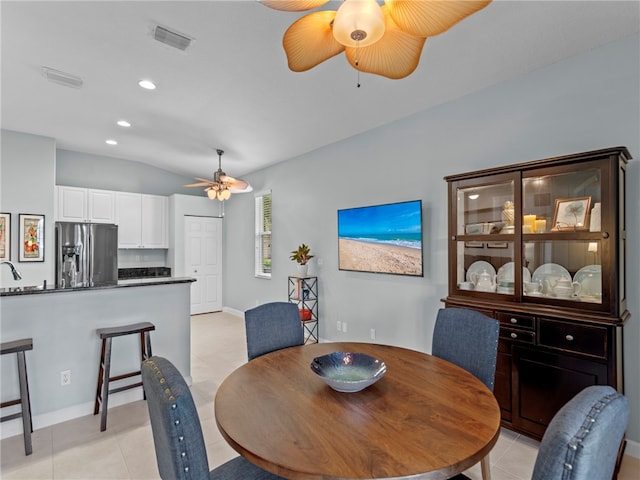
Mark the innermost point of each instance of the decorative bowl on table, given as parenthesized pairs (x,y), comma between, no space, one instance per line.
(348,372)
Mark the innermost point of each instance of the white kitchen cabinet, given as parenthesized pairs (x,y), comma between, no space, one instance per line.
(76,204)
(142,220)
(72,204)
(101,206)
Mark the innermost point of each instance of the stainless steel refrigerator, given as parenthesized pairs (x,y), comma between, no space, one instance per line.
(86,254)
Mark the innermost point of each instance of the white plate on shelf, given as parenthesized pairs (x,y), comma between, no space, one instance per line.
(590,280)
(505,273)
(476,268)
(548,274)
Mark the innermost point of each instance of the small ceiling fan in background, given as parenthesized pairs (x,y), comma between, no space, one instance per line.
(222,185)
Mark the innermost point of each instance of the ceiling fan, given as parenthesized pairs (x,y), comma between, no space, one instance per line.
(222,185)
(380,37)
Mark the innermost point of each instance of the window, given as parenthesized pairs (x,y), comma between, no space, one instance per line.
(263,235)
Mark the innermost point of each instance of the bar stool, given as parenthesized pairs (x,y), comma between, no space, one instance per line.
(107,334)
(19,347)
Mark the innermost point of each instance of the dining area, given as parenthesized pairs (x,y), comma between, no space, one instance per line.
(219,354)
(338,411)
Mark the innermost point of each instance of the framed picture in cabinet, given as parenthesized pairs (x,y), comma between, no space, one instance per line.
(5,237)
(571,214)
(497,245)
(31,239)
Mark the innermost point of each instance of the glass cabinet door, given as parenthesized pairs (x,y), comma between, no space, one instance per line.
(484,233)
(562,234)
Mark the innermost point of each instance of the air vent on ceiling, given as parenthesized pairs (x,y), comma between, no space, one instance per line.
(171,38)
(61,78)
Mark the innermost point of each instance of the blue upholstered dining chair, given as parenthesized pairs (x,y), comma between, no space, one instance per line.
(582,440)
(470,340)
(177,434)
(272,326)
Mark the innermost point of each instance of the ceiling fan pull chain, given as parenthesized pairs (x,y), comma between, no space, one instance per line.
(357,62)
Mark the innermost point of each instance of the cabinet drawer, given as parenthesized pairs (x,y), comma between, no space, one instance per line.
(586,339)
(516,320)
(516,335)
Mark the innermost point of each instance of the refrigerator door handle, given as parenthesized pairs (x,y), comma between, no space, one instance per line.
(91,257)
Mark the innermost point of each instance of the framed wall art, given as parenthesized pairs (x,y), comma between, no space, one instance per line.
(381,238)
(5,237)
(571,214)
(31,239)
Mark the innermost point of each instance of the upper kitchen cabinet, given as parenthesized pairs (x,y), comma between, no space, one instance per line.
(142,220)
(85,205)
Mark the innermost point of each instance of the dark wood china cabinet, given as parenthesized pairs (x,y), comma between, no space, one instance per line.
(541,247)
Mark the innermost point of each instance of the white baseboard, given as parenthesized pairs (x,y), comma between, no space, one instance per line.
(14,427)
(632,449)
(233,311)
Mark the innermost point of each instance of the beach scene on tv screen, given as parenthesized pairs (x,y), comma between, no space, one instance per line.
(381,238)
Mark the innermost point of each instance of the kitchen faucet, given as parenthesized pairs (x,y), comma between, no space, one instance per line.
(14,271)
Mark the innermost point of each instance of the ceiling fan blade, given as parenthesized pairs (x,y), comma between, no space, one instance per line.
(396,55)
(309,41)
(426,18)
(247,189)
(200,184)
(293,5)
(235,184)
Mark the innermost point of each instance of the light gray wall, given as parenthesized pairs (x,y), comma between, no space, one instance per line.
(584,103)
(77,169)
(27,173)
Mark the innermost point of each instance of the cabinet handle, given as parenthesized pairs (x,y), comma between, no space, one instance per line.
(514,335)
(569,338)
(605,234)
(514,320)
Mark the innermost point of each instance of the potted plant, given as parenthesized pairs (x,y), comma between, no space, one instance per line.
(301,256)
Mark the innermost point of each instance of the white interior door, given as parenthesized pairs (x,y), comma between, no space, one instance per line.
(203,247)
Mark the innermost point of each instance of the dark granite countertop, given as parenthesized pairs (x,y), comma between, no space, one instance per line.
(137,282)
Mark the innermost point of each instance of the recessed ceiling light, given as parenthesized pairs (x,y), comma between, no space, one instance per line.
(474,196)
(147,84)
(124,123)
(111,142)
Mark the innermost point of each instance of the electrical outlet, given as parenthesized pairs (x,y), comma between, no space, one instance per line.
(65,378)
(339,325)
(344,327)
(373,334)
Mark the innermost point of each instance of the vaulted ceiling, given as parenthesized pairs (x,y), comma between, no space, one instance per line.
(231,88)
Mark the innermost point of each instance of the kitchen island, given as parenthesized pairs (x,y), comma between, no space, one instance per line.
(63,323)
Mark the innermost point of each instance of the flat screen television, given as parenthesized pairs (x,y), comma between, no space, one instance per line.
(381,238)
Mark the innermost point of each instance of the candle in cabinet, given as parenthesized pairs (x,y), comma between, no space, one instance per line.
(541,226)
(531,221)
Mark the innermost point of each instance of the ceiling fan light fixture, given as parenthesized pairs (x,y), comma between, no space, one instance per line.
(211,193)
(224,194)
(385,40)
(358,23)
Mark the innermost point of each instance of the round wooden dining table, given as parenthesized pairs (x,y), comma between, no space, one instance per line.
(426,418)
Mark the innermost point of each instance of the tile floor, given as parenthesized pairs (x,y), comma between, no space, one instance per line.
(77,450)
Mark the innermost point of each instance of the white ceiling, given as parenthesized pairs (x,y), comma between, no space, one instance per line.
(232,89)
